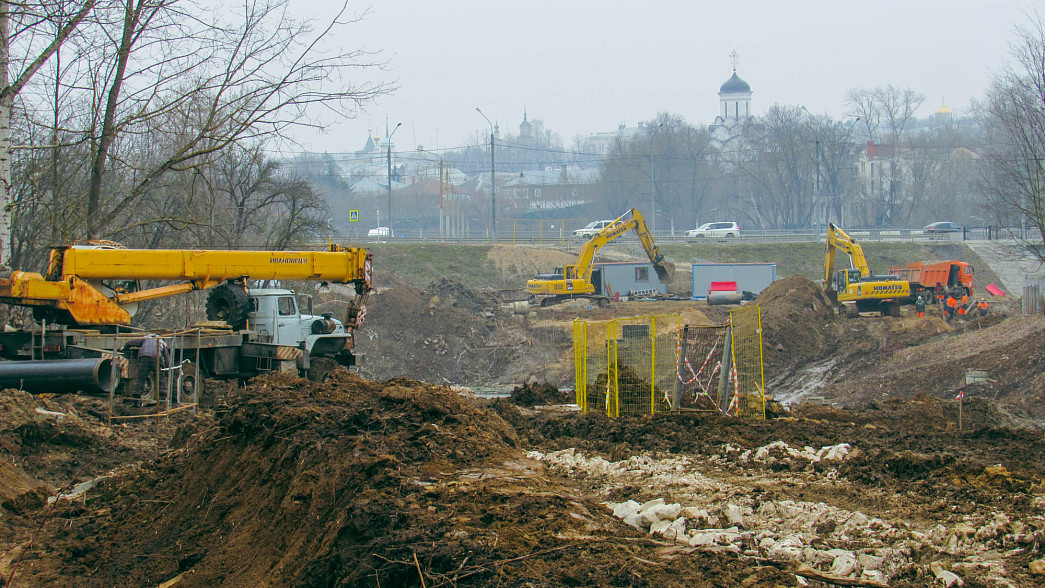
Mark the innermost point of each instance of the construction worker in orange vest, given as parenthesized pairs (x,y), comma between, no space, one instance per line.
(939,294)
(919,306)
(964,305)
(982,305)
(949,307)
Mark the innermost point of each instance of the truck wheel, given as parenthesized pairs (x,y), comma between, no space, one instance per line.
(229,303)
(190,389)
(321,368)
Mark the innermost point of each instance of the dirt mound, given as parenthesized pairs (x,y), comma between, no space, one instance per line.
(444,333)
(337,470)
(452,294)
(352,483)
(798,321)
(535,394)
(901,358)
(46,442)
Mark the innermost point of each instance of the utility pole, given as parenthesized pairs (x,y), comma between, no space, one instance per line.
(493,183)
(816,198)
(388,140)
(818,195)
(652,221)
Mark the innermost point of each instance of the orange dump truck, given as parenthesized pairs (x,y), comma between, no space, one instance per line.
(924,275)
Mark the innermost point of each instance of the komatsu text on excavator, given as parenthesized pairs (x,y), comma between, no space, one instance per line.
(855,290)
(575,281)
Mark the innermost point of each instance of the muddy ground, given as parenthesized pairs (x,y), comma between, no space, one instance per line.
(872,478)
(347,482)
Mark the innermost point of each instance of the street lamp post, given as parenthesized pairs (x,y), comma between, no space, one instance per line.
(834,191)
(388,140)
(493,183)
(816,138)
(653,182)
(442,216)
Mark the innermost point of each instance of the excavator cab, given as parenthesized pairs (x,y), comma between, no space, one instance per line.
(558,274)
(844,277)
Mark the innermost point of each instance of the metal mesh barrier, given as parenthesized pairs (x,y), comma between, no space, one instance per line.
(747,375)
(626,366)
(1034,299)
(700,381)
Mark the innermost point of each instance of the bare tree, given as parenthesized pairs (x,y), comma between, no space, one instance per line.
(671,161)
(164,87)
(862,103)
(1014,174)
(781,169)
(30,34)
(895,107)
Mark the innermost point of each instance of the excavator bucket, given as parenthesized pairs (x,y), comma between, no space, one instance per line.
(665,271)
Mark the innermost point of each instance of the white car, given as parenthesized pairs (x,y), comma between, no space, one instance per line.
(719,229)
(380,234)
(592,229)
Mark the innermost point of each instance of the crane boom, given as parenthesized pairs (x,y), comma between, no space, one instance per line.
(97,285)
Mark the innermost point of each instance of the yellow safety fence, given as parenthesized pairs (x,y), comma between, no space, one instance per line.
(626,366)
(748,374)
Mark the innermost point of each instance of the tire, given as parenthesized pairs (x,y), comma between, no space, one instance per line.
(229,303)
(320,368)
(603,302)
(189,388)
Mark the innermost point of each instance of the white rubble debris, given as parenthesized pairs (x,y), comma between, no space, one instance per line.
(713,514)
(947,578)
(778,450)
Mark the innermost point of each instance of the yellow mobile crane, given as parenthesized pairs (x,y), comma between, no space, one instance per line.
(88,291)
(575,281)
(855,290)
(99,285)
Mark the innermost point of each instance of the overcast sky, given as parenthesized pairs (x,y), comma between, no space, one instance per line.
(585,66)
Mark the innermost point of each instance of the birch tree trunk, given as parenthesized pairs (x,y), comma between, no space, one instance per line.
(6,102)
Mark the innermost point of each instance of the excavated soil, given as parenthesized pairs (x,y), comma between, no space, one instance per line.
(875,476)
(357,483)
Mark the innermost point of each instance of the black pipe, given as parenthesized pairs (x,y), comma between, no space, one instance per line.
(58,375)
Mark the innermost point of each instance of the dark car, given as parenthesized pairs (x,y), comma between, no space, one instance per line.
(942,227)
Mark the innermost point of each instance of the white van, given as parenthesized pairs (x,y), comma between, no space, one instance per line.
(380,233)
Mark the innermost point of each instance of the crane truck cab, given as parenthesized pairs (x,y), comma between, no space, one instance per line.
(276,316)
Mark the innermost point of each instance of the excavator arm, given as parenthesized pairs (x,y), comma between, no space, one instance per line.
(620,226)
(837,239)
(575,280)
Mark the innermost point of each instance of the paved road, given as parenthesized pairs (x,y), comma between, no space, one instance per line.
(1014,266)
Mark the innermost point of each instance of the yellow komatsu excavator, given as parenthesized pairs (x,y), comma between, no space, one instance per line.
(855,290)
(575,281)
